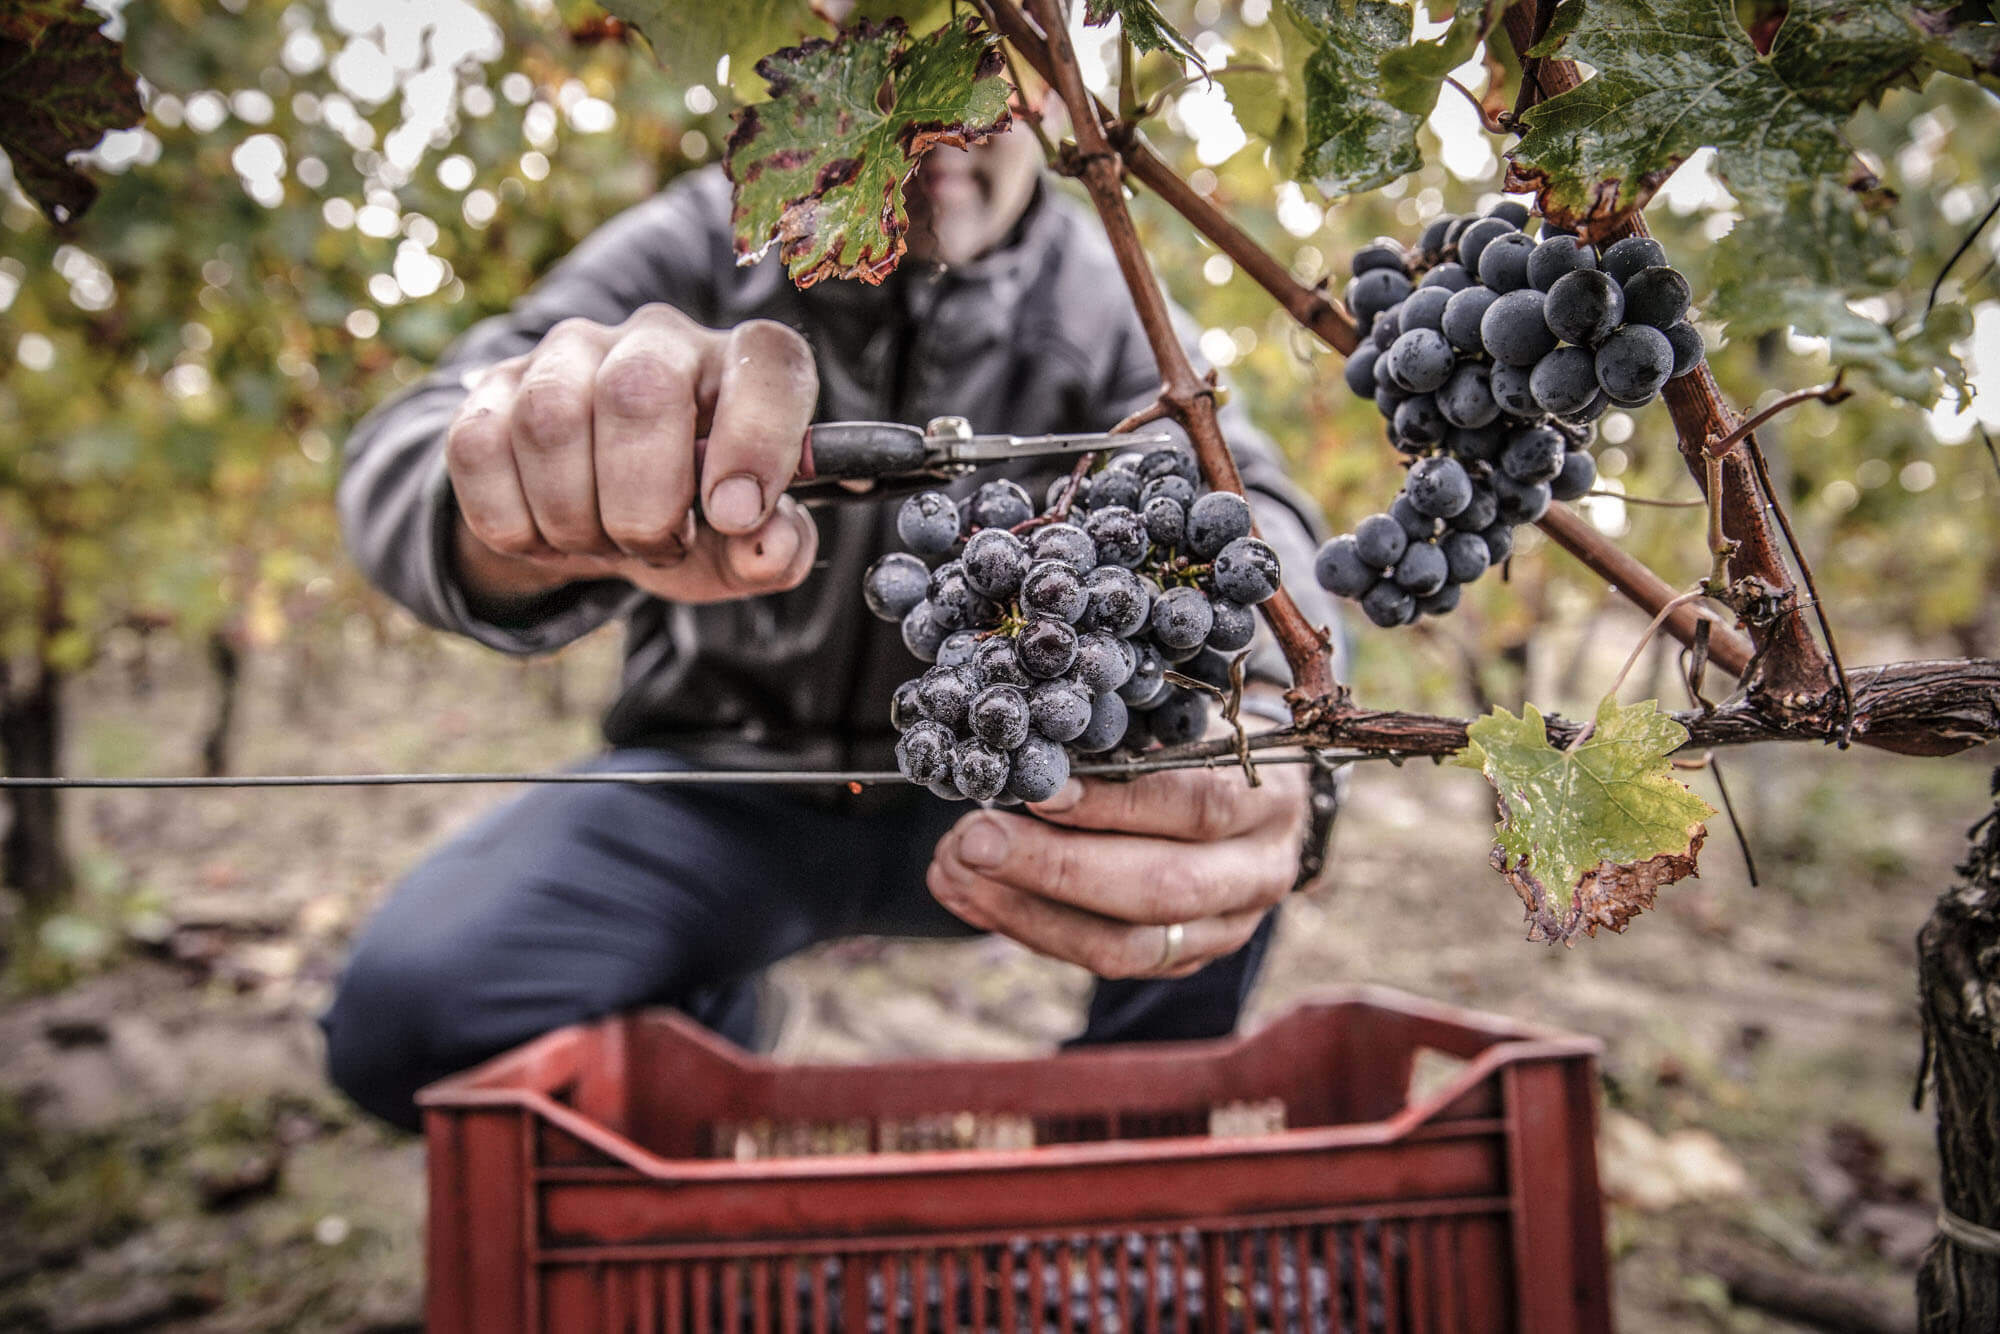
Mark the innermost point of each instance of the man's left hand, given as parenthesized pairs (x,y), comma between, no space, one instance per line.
(1103,868)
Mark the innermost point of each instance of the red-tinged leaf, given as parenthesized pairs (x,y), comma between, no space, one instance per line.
(63,84)
(820,168)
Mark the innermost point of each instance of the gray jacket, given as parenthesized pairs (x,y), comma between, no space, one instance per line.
(1039,336)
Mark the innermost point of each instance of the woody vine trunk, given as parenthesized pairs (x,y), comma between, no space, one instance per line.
(1958,978)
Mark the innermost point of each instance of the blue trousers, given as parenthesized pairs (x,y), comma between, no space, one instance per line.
(576,901)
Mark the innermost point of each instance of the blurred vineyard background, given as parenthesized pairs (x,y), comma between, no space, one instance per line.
(325,192)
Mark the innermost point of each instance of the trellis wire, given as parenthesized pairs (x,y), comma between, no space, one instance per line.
(649,778)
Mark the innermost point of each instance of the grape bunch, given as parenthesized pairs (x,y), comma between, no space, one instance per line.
(1490,354)
(1053,634)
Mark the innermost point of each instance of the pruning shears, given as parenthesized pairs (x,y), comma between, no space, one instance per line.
(891,457)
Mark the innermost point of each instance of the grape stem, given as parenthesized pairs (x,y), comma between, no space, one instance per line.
(1189,396)
(1833,391)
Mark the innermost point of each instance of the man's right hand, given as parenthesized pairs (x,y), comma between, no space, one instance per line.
(577,461)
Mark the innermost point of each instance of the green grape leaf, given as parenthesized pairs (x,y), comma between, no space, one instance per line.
(1143,25)
(690,37)
(1675,75)
(63,84)
(1587,836)
(1766,279)
(1353,139)
(1262,96)
(1412,75)
(820,167)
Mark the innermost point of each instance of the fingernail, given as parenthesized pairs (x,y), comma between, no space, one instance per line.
(737,502)
(983,845)
(1070,795)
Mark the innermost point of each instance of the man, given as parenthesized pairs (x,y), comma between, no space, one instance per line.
(545,480)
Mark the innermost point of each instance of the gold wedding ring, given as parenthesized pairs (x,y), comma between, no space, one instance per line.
(1170,946)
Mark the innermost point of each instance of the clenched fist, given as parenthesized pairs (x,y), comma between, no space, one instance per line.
(578,461)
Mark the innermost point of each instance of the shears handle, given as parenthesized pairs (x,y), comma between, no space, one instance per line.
(894,456)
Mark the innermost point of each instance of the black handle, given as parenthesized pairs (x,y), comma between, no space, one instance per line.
(861,449)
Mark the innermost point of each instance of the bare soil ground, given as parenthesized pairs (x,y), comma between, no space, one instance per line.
(171,1158)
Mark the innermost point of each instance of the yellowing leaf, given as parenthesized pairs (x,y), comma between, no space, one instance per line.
(820,167)
(1588,836)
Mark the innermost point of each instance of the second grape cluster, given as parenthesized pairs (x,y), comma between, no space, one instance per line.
(1055,632)
(1491,354)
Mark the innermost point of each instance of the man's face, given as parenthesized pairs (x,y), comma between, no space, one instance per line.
(964,201)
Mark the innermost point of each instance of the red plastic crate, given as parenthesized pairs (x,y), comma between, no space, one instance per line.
(640,1174)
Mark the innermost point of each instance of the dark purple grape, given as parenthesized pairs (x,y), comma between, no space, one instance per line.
(1510,210)
(944,694)
(1625,258)
(1120,536)
(1503,264)
(1467,397)
(1555,256)
(1584,306)
(1476,444)
(1046,647)
(1578,475)
(1379,540)
(1686,342)
(1424,309)
(1339,568)
(1513,390)
(1420,360)
(1476,237)
(1375,291)
(953,601)
(1182,618)
(1109,717)
(1053,588)
(1382,332)
(923,753)
(1462,315)
(927,523)
(1114,486)
(1215,520)
(1058,710)
(1176,488)
(946,788)
(1170,461)
(1438,487)
(1480,511)
(903,707)
(1245,571)
(994,562)
(1450,276)
(1590,411)
(1038,769)
(1439,603)
(1634,362)
(1499,539)
(1360,372)
(1235,626)
(995,662)
(1520,502)
(1419,423)
(1565,381)
(999,716)
(1423,569)
(1534,454)
(1166,521)
(923,633)
(894,584)
(1382,254)
(1063,542)
(1000,504)
(979,770)
(1431,240)
(958,648)
(1149,674)
(1104,661)
(1115,600)
(1465,556)
(1210,665)
(1180,718)
(1387,603)
(1514,332)
(1657,296)
(1417,526)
